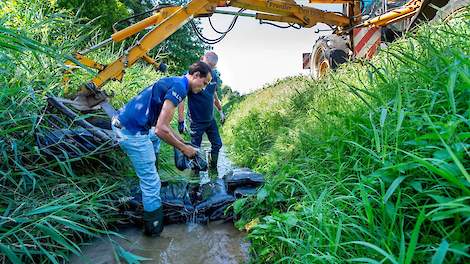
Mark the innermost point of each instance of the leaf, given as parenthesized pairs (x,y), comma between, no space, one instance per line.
(338,236)
(417,186)
(9,253)
(261,195)
(392,188)
(452,154)
(367,205)
(238,205)
(377,249)
(445,214)
(72,225)
(414,237)
(401,116)
(265,251)
(376,133)
(290,241)
(383,116)
(45,209)
(441,172)
(441,154)
(58,237)
(440,255)
(39,244)
(451,87)
(291,220)
(128,256)
(457,161)
(365,260)
(440,199)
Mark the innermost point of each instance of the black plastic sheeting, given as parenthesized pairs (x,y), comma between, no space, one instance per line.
(184,202)
(63,133)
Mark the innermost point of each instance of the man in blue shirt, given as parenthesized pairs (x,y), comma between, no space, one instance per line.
(155,107)
(201,113)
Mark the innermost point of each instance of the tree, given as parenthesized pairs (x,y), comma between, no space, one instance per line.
(179,51)
(182,49)
(106,12)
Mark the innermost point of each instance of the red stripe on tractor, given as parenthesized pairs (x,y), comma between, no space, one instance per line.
(373,49)
(367,36)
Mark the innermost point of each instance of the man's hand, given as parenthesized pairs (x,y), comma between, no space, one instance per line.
(189,151)
(222,117)
(181,127)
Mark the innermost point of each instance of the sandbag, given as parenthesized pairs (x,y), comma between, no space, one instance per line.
(184,202)
(198,163)
(177,205)
(214,200)
(242,177)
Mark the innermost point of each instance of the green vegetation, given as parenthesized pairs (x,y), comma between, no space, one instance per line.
(49,207)
(370,164)
(106,12)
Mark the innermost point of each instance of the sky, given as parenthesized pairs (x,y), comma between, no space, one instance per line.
(252,55)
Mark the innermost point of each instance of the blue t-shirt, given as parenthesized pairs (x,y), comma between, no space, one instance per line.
(142,111)
(201,105)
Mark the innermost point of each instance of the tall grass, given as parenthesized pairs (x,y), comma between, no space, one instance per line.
(49,207)
(370,164)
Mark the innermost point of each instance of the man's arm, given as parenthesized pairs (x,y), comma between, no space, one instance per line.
(181,127)
(181,111)
(217,103)
(164,131)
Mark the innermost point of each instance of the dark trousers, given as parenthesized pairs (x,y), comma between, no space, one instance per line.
(212,131)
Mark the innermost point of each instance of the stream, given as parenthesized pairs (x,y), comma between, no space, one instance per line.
(191,243)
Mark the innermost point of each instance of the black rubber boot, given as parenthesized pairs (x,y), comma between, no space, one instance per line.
(153,222)
(213,161)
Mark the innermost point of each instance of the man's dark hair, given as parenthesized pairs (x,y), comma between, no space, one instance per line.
(201,67)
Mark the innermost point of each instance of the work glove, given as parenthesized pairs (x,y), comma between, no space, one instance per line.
(181,127)
(222,117)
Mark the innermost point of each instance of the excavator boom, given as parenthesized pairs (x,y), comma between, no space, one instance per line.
(169,19)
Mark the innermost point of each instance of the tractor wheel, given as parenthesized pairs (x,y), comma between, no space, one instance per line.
(452,8)
(441,9)
(326,56)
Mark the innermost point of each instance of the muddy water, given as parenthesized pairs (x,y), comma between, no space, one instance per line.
(180,244)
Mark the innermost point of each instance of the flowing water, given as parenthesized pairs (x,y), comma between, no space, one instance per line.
(180,244)
(189,243)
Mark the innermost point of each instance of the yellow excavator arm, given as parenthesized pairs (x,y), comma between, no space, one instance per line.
(168,19)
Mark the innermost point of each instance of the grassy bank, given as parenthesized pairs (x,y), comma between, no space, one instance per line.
(370,164)
(48,207)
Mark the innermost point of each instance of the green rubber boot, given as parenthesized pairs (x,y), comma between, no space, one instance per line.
(153,222)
